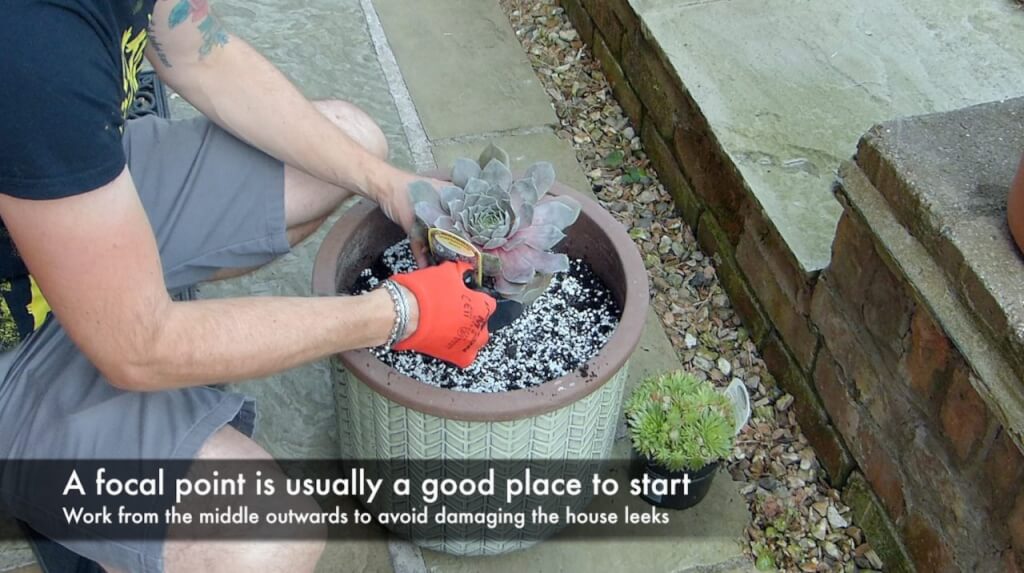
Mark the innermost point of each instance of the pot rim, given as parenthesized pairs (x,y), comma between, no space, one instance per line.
(512,404)
(695,475)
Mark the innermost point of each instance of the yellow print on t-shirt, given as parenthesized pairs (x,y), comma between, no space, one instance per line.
(133,46)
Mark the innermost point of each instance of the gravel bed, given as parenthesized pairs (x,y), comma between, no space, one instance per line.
(557,334)
(798,520)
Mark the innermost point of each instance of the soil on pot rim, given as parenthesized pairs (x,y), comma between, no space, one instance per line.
(556,335)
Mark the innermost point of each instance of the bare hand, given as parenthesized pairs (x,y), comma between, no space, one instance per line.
(395,201)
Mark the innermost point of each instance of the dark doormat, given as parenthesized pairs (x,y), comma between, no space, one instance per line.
(151,98)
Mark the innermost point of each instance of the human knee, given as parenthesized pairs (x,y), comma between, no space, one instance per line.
(244,556)
(357,124)
(263,548)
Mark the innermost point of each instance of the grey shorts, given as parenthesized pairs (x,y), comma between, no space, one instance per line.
(213,202)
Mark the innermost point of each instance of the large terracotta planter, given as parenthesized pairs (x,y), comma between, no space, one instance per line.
(1015,207)
(384,415)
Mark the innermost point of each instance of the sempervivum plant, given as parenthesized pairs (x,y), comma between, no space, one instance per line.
(511,221)
(679,422)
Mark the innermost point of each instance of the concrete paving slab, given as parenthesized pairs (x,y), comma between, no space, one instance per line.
(24,569)
(15,554)
(789,87)
(324,47)
(464,68)
(523,150)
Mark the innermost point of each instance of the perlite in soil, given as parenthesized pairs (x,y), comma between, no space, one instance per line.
(508,229)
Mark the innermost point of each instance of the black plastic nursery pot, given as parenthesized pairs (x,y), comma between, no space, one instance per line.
(700,483)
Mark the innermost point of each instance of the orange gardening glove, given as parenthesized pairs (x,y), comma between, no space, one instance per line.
(453,319)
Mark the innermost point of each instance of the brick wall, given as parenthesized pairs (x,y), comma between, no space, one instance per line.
(901,395)
(881,393)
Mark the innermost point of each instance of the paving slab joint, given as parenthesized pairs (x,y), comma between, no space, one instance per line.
(488,136)
(414,131)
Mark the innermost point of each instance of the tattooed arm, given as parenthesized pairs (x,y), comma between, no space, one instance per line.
(241,91)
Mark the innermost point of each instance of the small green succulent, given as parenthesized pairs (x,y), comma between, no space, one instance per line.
(680,422)
(512,222)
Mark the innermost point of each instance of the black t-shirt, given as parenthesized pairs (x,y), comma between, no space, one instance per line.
(68,75)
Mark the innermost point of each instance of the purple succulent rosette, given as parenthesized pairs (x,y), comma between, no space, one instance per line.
(513,223)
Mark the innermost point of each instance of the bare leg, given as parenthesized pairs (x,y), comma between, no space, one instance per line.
(308,200)
(243,556)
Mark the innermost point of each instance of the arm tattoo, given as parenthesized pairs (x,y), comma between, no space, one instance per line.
(198,11)
(159,49)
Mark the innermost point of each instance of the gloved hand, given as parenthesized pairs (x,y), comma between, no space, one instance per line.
(452,317)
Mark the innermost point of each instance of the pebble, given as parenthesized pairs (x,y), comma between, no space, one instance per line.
(834,519)
(648,197)
(784,403)
(873,559)
(832,550)
(724,366)
(820,530)
(821,507)
(702,363)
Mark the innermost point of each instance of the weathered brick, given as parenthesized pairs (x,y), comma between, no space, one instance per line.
(926,547)
(715,178)
(853,259)
(1015,524)
(835,396)
(670,175)
(839,334)
(887,308)
(607,22)
(881,470)
(776,255)
(1011,563)
(658,88)
(873,294)
(580,20)
(621,89)
(868,514)
(929,360)
(964,415)
(787,305)
(627,16)
(714,241)
(1001,471)
(931,478)
(813,419)
(890,406)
